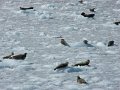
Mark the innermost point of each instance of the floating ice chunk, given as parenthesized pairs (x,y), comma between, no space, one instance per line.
(71,4)
(45,15)
(10,33)
(100,44)
(97,89)
(86,68)
(117,10)
(70,28)
(42,34)
(18,49)
(95,79)
(73,69)
(111,52)
(69,70)
(8,63)
(72,87)
(103,83)
(88,45)
(78,44)
(28,87)
(118,2)
(25,67)
(49,6)
(27,12)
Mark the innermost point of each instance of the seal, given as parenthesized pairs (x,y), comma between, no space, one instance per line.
(19,56)
(8,56)
(81,81)
(110,43)
(81,1)
(85,63)
(85,41)
(87,44)
(117,22)
(63,42)
(27,8)
(88,15)
(62,65)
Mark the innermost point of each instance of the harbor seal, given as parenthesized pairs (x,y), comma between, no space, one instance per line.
(110,43)
(81,1)
(62,65)
(88,15)
(63,42)
(19,56)
(85,63)
(81,80)
(117,22)
(26,8)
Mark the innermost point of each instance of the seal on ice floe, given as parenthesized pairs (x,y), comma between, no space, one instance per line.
(81,1)
(87,44)
(19,56)
(63,42)
(81,80)
(85,63)
(7,57)
(62,65)
(85,41)
(88,15)
(117,22)
(110,43)
(25,8)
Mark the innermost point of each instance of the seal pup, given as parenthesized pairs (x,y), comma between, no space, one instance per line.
(25,8)
(92,9)
(81,80)
(88,15)
(7,57)
(81,1)
(62,65)
(117,22)
(63,42)
(85,63)
(19,56)
(110,43)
